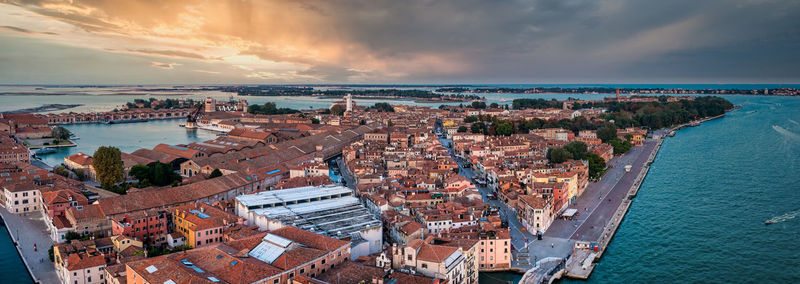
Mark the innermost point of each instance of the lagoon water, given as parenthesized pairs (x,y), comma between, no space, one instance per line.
(699,216)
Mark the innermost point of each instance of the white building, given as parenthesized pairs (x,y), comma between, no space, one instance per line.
(83,268)
(348,102)
(327,210)
(21,197)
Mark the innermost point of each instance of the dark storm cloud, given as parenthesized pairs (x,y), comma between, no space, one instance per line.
(465,41)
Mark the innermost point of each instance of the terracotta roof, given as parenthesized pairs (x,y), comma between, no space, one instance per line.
(80,159)
(169,196)
(309,239)
(350,272)
(78,261)
(91,211)
(204,216)
(435,253)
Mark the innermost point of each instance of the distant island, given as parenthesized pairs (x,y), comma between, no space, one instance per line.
(44,108)
(784,91)
(422,96)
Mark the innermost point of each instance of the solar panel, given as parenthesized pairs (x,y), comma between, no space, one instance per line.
(178,147)
(266,252)
(150,269)
(200,214)
(278,240)
(452,258)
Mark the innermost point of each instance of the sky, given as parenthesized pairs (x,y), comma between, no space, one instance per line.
(399,42)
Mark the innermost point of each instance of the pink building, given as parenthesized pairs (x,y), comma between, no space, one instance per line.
(145,226)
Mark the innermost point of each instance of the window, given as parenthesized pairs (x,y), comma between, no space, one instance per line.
(302,270)
(313,266)
(276,281)
(409,257)
(89,279)
(424,265)
(323,261)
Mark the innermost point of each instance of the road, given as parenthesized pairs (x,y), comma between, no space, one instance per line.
(596,205)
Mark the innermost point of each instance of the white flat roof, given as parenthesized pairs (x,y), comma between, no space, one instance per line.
(292,194)
(569,212)
(303,208)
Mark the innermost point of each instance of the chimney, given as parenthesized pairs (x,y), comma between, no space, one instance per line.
(617,93)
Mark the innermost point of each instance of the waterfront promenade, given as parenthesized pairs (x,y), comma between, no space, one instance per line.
(26,231)
(599,208)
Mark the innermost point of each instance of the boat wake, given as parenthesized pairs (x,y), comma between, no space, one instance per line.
(786,133)
(795,122)
(783,218)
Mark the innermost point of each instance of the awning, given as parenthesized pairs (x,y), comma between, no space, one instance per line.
(569,212)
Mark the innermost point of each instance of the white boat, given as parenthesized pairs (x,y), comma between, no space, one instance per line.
(212,127)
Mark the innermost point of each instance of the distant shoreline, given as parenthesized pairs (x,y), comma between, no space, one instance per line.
(85,94)
(43,108)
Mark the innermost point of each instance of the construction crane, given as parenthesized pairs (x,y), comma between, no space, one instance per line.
(191,119)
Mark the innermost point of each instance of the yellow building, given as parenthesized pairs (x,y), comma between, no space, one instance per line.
(202,224)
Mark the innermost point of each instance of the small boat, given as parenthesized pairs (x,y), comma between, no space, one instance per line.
(74,137)
(770,221)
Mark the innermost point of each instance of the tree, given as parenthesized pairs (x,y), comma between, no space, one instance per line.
(80,174)
(161,174)
(215,173)
(494,105)
(62,171)
(383,107)
(338,109)
(504,129)
(314,120)
(107,162)
(60,133)
(362,122)
(577,149)
(607,132)
(620,147)
(558,155)
(470,119)
(72,235)
(462,129)
(477,127)
(596,165)
(140,172)
(478,105)
(269,108)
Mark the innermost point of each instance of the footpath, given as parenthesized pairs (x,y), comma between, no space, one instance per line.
(26,231)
